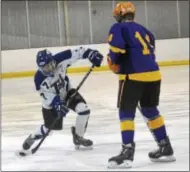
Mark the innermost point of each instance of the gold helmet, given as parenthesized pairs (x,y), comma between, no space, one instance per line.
(124,9)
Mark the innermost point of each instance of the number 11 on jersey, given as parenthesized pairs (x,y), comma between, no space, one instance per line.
(145,51)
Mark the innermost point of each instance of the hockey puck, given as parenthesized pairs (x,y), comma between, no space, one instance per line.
(22,154)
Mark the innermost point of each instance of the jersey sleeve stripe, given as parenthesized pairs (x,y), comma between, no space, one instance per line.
(117,50)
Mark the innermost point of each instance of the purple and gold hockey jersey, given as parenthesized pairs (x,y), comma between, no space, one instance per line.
(131,52)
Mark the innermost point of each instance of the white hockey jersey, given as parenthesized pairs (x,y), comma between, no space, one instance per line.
(59,84)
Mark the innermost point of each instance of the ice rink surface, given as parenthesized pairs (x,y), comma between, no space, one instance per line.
(21,115)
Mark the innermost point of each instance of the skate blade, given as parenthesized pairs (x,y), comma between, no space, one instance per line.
(125,164)
(164,159)
(80,147)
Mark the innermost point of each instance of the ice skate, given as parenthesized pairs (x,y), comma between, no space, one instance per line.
(80,141)
(124,159)
(164,153)
(27,145)
(30,141)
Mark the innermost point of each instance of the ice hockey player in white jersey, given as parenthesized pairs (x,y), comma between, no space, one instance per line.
(55,90)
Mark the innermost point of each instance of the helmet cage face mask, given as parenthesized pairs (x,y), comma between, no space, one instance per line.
(119,18)
(49,68)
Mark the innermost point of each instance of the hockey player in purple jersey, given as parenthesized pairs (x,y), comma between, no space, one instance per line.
(132,56)
(55,90)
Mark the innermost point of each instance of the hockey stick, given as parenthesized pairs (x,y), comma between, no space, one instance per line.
(81,83)
(34,150)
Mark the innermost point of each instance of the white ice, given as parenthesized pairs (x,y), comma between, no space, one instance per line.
(21,115)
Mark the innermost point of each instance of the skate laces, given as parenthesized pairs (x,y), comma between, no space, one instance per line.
(82,138)
(124,150)
(156,150)
(160,148)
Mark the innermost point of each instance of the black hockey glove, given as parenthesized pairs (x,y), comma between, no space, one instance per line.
(94,56)
(60,106)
